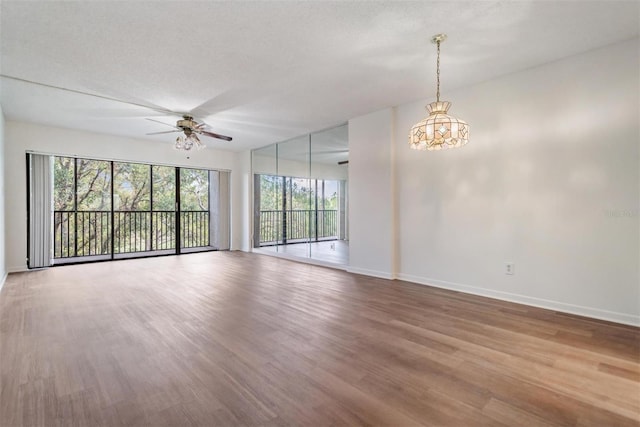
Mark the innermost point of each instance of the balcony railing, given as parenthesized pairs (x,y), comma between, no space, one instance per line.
(277,226)
(88,233)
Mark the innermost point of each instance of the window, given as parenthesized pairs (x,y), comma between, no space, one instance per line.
(194,208)
(131,208)
(82,207)
(107,210)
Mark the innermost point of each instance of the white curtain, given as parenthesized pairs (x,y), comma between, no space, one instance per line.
(40,211)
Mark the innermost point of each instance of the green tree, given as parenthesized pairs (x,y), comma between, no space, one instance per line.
(194,190)
(132,186)
(93,185)
(64,186)
(164,188)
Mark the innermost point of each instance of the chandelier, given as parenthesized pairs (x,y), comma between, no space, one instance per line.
(439,130)
(189,142)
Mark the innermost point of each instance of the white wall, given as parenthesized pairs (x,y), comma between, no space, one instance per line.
(549,181)
(3,264)
(371,198)
(21,137)
(241,202)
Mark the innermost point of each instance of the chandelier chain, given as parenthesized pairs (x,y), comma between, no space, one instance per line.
(438,72)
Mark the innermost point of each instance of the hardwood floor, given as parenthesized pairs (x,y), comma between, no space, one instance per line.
(230,338)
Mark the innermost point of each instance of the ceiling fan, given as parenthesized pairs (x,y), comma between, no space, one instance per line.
(188,125)
(191,130)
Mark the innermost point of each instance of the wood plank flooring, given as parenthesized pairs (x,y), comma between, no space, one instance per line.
(230,338)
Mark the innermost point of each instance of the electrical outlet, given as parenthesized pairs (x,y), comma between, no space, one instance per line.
(509,268)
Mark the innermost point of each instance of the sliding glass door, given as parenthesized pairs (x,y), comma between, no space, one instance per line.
(194,208)
(131,208)
(110,210)
(82,217)
(163,208)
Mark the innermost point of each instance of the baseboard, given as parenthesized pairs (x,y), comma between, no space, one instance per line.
(591,312)
(20,269)
(4,278)
(372,273)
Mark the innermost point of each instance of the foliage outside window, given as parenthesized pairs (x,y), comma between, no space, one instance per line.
(143,217)
(297,209)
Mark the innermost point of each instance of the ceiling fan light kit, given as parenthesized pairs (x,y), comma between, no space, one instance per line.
(191,130)
(188,143)
(439,130)
(190,139)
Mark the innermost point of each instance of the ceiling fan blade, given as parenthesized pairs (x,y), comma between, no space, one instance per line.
(163,123)
(166,131)
(108,98)
(203,126)
(213,135)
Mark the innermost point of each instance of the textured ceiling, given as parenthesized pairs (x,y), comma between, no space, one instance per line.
(264,72)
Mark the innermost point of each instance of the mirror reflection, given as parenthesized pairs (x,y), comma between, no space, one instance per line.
(301,197)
